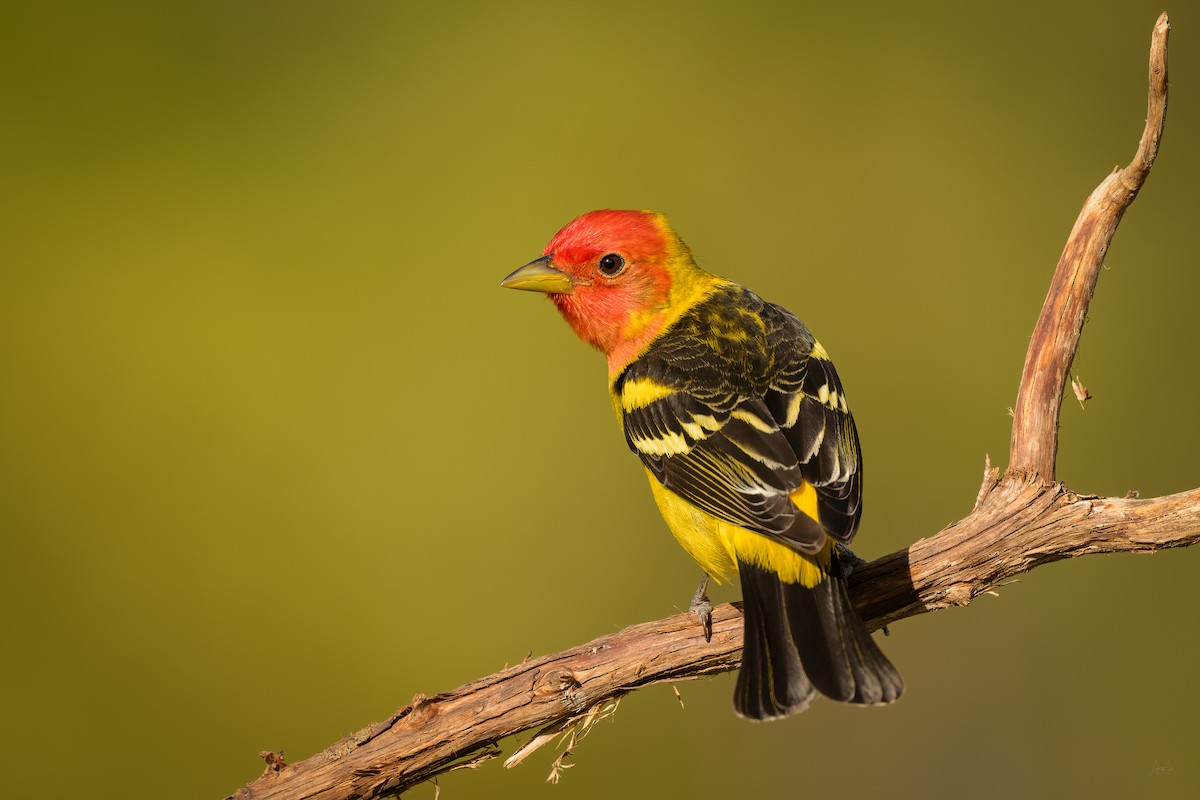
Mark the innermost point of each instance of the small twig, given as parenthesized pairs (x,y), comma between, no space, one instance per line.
(1081,392)
(274,761)
(991,476)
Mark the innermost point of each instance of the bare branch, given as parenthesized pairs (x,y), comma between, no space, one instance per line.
(1020,525)
(1020,520)
(1056,336)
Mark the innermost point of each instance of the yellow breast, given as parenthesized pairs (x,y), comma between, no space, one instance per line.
(717,545)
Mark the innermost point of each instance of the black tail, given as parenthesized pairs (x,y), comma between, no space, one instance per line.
(801,641)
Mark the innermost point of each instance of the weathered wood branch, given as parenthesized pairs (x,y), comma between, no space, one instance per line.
(1020,520)
(1020,524)
(1056,335)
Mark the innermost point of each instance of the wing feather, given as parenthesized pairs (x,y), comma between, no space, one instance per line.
(737,421)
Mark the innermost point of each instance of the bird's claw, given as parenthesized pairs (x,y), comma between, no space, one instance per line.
(848,561)
(703,608)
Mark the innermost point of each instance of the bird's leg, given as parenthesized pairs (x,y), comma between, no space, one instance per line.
(847,563)
(702,608)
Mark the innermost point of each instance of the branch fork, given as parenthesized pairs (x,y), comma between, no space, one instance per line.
(1021,519)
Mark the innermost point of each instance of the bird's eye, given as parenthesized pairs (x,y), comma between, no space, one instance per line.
(611,264)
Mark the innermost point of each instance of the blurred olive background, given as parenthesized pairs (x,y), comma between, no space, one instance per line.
(278,452)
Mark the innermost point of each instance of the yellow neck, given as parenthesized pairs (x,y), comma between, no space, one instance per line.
(690,285)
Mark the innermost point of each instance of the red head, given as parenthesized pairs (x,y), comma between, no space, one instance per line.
(615,276)
(640,235)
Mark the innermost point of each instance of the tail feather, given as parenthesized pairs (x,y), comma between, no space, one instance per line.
(772,682)
(802,640)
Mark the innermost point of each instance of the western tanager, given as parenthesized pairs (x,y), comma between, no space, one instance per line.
(741,423)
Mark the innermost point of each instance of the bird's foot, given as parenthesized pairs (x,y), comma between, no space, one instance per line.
(848,561)
(702,607)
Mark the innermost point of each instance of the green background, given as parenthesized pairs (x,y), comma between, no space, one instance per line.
(277,453)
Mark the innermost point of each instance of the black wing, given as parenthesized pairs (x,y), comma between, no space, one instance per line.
(807,400)
(726,410)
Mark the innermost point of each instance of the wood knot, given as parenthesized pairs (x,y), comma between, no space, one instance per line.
(557,681)
(561,682)
(420,710)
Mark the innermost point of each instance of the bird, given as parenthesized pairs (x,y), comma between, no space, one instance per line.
(742,426)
